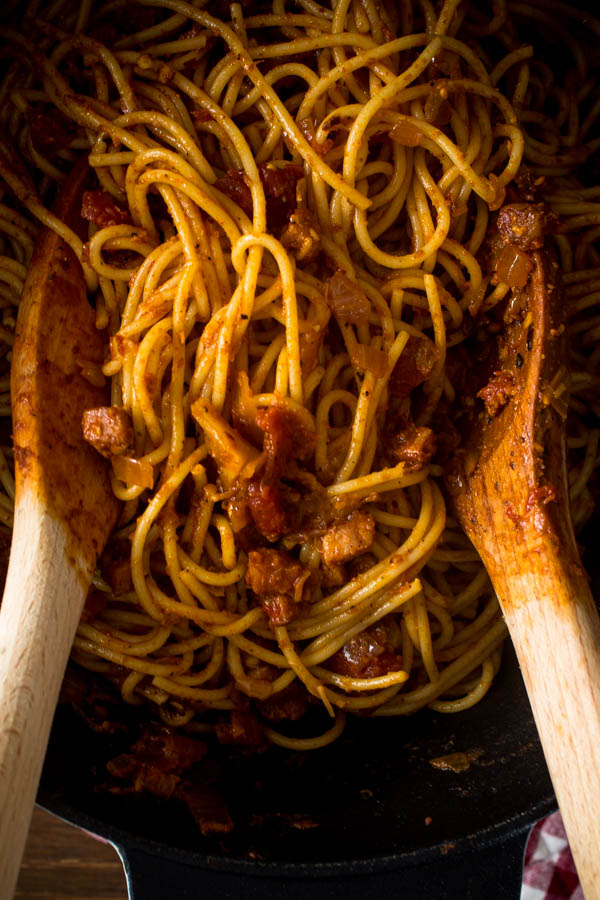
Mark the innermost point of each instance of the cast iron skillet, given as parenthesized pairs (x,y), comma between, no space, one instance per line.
(348,820)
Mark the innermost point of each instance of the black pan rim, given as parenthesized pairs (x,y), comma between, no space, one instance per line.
(123,841)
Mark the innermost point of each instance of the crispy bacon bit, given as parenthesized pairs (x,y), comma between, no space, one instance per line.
(286,438)
(347,300)
(243,728)
(333,576)
(301,235)
(277,579)
(274,572)
(526,224)
(413,445)
(260,500)
(370,359)
(369,654)
(498,391)
(346,540)
(93,700)
(156,761)
(307,127)
(100,208)
(234,184)
(524,185)
(50,131)
(280,190)
(414,366)
(280,608)
(206,806)
(108,429)
(266,509)
(406,132)
(512,267)
(279,183)
(288,705)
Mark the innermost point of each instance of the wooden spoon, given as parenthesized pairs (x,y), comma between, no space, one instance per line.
(509,487)
(64,512)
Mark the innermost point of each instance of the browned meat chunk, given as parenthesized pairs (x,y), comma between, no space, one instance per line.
(497,392)
(526,224)
(301,235)
(347,301)
(345,540)
(414,366)
(413,445)
(108,429)
(100,208)
(370,654)
(274,572)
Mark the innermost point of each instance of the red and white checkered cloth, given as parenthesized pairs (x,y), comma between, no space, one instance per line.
(549,871)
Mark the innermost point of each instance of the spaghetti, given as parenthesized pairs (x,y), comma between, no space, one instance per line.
(287,246)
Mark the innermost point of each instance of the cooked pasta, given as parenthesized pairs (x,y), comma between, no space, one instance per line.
(288,223)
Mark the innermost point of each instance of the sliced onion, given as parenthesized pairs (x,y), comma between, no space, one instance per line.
(370,359)
(133,472)
(513,266)
(347,301)
(406,133)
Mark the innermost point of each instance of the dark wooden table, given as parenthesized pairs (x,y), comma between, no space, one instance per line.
(64,863)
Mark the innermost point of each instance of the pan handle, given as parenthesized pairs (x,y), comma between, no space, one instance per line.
(493,872)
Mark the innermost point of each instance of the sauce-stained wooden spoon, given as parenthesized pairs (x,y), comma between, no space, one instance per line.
(64,512)
(509,487)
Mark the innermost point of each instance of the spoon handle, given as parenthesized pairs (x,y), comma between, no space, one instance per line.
(555,630)
(40,611)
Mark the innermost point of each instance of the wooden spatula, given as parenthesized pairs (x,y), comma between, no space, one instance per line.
(509,488)
(64,512)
